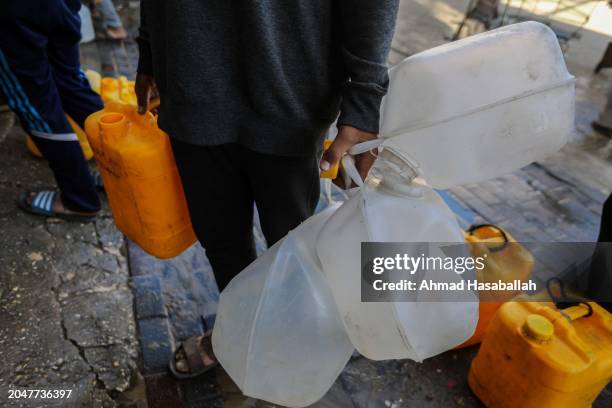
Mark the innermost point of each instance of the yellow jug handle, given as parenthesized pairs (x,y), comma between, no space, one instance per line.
(153,104)
(583,309)
(498,248)
(570,307)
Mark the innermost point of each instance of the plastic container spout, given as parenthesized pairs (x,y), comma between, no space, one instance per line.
(397,172)
(112,125)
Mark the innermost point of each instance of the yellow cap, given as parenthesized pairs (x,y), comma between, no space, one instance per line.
(538,328)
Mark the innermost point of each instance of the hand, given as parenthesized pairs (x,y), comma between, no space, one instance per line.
(347,137)
(145,89)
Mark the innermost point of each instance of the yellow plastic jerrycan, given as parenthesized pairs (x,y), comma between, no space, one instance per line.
(118,90)
(141,179)
(87,152)
(537,356)
(332,172)
(505,260)
(94,79)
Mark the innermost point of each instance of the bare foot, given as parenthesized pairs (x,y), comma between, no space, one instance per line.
(193,357)
(181,358)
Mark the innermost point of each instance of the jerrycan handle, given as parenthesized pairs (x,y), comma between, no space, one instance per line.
(350,171)
(571,308)
(348,162)
(153,104)
(501,232)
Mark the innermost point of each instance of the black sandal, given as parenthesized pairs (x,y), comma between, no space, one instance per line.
(41,203)
(191,350)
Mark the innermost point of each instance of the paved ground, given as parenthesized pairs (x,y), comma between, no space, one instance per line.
(64,287)
(558,199)
(66,309)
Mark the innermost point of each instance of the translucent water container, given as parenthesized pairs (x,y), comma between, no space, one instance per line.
(380,212)
(480,107)
(278,333)
(463,112)
(140,179)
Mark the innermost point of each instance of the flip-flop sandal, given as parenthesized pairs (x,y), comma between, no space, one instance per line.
(190,349)
(42,204)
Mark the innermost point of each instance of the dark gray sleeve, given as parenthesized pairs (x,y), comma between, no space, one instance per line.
(145,59)
(367,31)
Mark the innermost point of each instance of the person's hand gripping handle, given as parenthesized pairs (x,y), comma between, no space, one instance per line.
(146,92)
(340,150)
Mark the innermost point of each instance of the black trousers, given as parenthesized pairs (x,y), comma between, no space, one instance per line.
(41,79)
(221,185)
(605,230)
(600,277)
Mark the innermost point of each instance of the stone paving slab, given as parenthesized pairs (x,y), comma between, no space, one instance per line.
(181,290)
(156,344)
(162,391)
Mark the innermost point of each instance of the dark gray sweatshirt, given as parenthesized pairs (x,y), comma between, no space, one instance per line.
(271,75)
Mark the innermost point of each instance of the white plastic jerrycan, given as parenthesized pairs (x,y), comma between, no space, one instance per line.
(480,107)
(395,208)
(278,333)
(459,113)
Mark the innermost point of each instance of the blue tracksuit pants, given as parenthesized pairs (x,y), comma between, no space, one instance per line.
(41,79)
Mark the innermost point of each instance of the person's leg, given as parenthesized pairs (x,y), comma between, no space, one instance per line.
(109,14)
(603,124)
(77,98)
(605,117)
(605,229)
(286,191)
(220,183)
(111,20)
(220,205)
(27,81)
(600,276)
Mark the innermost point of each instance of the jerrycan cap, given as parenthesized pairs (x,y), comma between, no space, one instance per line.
(538,328)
